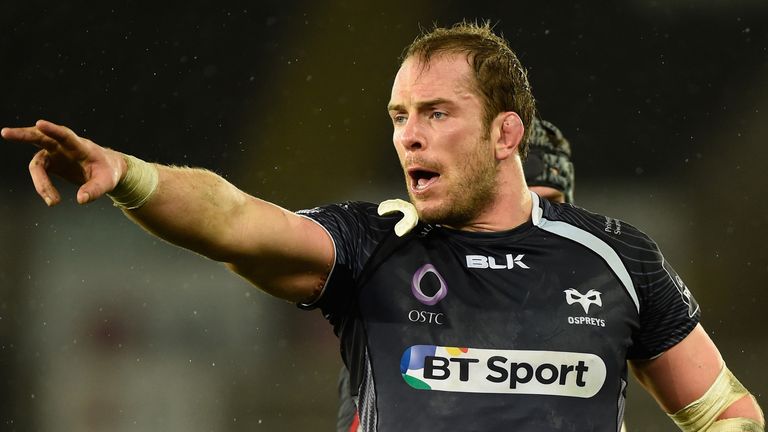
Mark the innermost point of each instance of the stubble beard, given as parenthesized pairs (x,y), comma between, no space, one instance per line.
(470,194)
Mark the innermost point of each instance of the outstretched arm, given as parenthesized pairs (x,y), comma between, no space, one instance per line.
(285,254)
(686,382)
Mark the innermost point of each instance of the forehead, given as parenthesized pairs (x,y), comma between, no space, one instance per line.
(443,77)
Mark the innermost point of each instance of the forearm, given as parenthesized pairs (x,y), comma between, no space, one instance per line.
(285,254)
(196,209)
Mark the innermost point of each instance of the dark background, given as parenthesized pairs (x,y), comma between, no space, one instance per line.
(104,328)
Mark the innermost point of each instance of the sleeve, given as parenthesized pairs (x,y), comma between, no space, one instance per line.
(668,311)
(355,229)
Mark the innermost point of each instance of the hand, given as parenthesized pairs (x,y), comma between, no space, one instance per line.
(78,160)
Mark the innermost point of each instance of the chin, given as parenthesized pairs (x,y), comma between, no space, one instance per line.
(438,213)
(427,211)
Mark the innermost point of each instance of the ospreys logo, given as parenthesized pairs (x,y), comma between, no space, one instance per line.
(585,300)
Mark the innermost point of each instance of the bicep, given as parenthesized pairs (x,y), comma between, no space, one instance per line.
(681,374)
(685,372)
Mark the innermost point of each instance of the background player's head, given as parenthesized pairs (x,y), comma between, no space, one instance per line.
(548,168)
(499,78)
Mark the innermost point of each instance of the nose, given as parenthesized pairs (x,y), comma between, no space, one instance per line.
(410,135)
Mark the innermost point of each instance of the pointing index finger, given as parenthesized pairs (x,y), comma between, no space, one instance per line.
(62,134)
(30,135)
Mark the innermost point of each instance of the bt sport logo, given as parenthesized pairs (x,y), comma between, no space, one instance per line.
(473,370)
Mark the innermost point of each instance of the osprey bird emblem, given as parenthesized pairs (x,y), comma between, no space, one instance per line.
(585,300)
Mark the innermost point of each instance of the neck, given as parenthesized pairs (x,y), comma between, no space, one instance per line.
(510,207)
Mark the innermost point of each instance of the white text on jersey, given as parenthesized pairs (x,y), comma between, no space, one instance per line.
(484,262)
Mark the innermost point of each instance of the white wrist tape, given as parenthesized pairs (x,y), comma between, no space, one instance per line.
(137,186)
(701,414)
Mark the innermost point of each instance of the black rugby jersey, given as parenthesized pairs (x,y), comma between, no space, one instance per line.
(526,330)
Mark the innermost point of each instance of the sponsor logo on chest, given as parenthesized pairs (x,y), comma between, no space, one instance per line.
(508,262)
(472,370)
(433,292)
(427,299)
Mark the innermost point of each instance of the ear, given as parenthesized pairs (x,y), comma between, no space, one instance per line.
(510,128)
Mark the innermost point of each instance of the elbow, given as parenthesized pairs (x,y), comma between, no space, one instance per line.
(726,405)
(299,287)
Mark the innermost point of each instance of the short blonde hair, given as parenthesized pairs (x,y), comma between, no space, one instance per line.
(500,79)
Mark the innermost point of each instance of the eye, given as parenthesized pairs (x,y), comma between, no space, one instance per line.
(399,119)
(438,115)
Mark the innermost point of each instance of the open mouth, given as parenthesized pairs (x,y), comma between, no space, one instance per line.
(421,179)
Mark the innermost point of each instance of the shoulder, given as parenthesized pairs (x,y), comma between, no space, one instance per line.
(346,207)
(356,229)
(620,235)
(667,310)
(630,253)
(357,216)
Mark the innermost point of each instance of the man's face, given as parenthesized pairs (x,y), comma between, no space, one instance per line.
(444,148)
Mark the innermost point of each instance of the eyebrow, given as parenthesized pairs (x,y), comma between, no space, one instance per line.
(421,105)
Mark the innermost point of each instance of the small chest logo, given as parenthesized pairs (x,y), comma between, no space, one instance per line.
(430,298)
(585,300)
(418,292)
(509,262)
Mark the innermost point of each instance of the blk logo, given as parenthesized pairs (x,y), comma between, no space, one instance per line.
(418,292)
(508,262)
(585,300)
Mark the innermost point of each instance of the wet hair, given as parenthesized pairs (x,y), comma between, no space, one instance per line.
(499,78)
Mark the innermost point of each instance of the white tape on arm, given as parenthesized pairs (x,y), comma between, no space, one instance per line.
(702,414)
(137,186)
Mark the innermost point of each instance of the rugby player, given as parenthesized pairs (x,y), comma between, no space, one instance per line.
(491,309)
(548,172)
